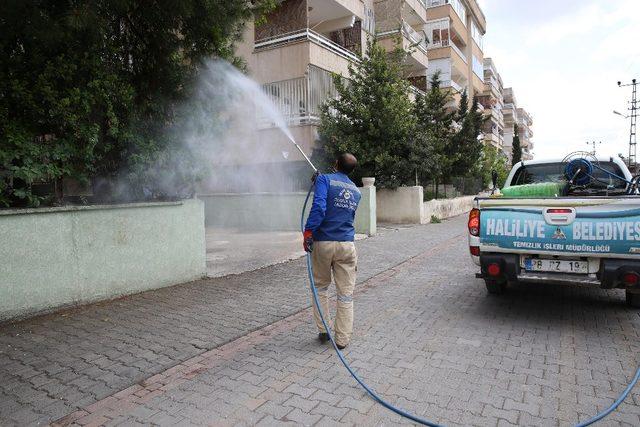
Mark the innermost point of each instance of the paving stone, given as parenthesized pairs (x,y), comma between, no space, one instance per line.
(426,337)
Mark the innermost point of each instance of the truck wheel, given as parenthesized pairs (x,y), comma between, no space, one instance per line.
(633,299)
(495,288)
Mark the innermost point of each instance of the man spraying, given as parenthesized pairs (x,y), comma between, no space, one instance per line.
(329,235)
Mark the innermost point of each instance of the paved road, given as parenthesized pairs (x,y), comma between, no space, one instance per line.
(241,349)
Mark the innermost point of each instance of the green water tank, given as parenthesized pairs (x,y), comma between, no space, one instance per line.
(540,189)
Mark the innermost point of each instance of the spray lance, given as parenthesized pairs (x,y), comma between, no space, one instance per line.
(315,169)
(359,380)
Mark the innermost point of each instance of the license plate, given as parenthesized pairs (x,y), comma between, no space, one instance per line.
(558,266)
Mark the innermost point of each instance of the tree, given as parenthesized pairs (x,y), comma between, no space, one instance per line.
(515,147)
(466,148)
(494,160)
(372,117)
(433,134)
(89,87)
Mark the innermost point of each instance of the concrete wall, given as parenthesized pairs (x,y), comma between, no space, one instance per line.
(54,257)
(446,208)
(405,205)
(254,211)
(400,206)
(276,211)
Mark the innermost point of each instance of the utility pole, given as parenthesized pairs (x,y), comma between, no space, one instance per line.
(593,143)
(633,116)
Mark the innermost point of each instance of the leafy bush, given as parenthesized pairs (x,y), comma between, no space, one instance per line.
(88,88)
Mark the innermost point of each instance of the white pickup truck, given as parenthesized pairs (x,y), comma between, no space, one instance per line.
(589,234)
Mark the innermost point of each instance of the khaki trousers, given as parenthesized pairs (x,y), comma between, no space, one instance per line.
(340,259)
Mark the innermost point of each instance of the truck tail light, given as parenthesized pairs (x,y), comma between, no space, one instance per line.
(474,222)
(630,278)
(559,211)
(475,250)
(494,269)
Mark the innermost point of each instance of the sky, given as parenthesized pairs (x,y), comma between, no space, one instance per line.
(563,59)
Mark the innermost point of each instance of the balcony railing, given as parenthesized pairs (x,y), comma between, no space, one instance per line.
(414,90)
(448,83)
(300,100)
(306,34)
(419,39)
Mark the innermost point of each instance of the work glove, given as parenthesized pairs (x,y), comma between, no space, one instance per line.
(307,240)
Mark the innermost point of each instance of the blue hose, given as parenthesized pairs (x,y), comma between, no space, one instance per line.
(615,404)
(388,405)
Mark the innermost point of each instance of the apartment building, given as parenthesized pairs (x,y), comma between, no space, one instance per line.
(293,55)
(405,20)
(493,103)
(525,121)
(513,114)
(455,29)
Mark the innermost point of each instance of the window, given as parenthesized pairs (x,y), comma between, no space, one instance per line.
(554,172)
(460,10)
(476,64)
(369,21)
(438,32)
(476,34)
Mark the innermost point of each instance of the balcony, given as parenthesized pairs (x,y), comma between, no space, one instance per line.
(456,5)
(417,38)
(442,35)
(306,35)
(493,138)
(449,84)
(452,74)
(509,113)
(414,42)
(325,33)
(300,100)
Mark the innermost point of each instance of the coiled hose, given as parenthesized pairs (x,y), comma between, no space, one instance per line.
(388,405)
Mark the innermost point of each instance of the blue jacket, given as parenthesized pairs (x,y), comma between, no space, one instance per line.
(335,200)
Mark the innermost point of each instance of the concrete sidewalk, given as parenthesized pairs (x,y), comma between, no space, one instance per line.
(55,364)
(233,251)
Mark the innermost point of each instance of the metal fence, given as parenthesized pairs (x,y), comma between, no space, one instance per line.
(300,100)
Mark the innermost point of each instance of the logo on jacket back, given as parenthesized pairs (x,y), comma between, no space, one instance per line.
(346,194)
(345,200)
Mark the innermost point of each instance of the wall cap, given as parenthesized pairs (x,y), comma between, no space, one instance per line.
(77,208)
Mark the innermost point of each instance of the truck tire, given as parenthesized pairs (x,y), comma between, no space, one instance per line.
(633,299)
(495,288)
